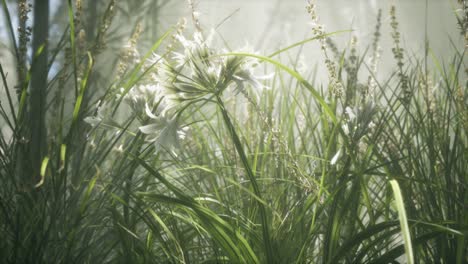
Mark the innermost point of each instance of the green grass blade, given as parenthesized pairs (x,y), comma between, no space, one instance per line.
(89,190)
(83,87)
(169,233)
(405,231)
(44,164)
(224,234)
(358,239)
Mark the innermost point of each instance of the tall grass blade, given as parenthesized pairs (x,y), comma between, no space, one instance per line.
(405,230)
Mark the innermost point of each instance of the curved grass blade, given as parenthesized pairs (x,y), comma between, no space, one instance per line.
(405,231)
(45,161)
(226,235)
(393,254)
(169,234)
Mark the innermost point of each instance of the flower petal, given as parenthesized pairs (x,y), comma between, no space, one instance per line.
(150,129)
(335,158)
(149,113)
(93,120)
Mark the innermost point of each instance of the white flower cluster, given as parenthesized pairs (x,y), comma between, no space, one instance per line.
(171,83)
(359,121)
(102,114)
(143,94)
(200,71)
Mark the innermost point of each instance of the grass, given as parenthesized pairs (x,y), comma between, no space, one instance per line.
(190,159)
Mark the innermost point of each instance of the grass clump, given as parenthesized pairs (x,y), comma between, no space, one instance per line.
(193,154)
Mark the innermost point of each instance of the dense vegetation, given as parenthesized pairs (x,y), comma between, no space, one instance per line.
(194,154)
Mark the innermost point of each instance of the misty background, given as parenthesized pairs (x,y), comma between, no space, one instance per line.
(267,25)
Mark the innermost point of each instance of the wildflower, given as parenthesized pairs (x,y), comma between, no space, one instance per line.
(154,59)
(92,144)
(180,60)
(345,128)
(359,120)
(164,131)
(335,157)
(102,110)
(119,149)
(351,113)
(154,65)
(362,146)
(142,94)
(247,69)
(247,76)
(301,66)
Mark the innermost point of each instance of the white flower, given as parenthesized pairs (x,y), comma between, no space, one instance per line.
(153,60)
(185,43)
(335,158)
(196,14)
(301,66)
(92,144)
(142,94)
(246,75)
(155,66)
(214,72)
(247,48)
(101,113)
(198,38)
(180,59)
(164,131)
(197,72)
(345,129)
(362,146)
(351,113)
(119,149)
(249,77)
(247,72)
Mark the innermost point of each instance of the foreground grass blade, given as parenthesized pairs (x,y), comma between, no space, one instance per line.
(405,231)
